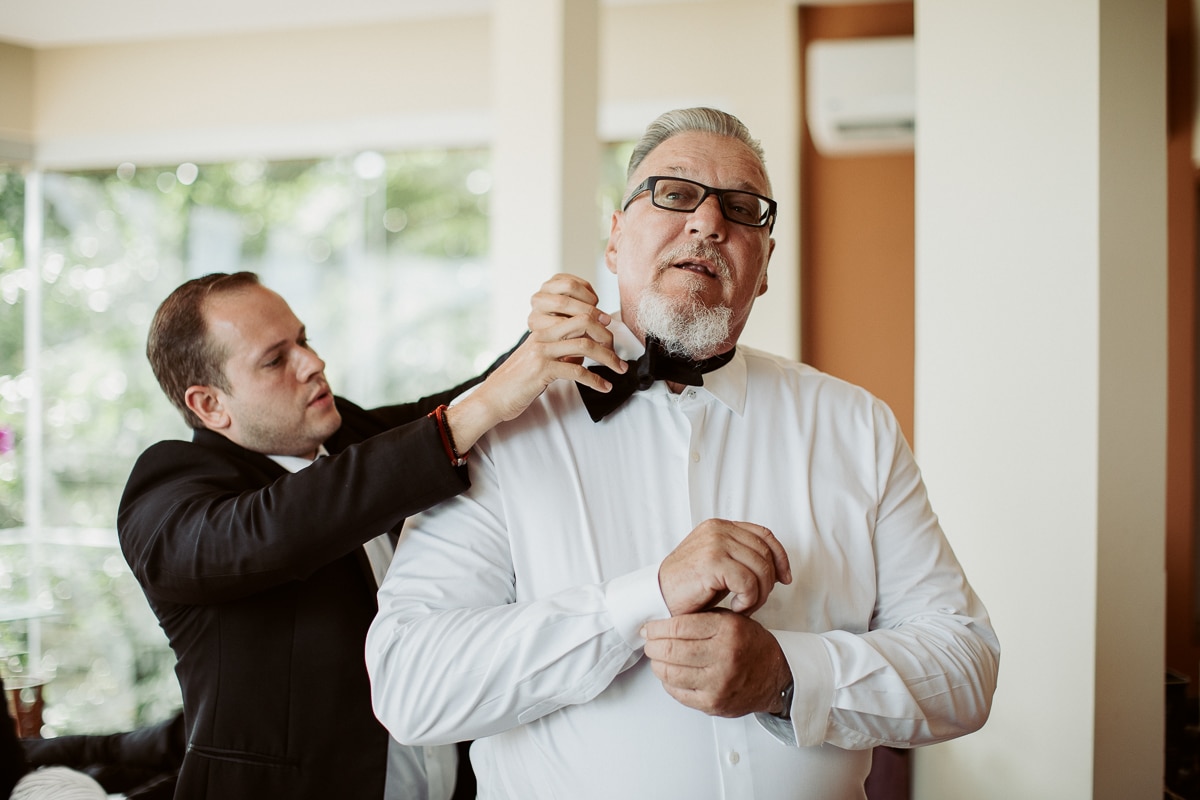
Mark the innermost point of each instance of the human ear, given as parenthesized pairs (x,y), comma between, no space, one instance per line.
(205,403)
(610,249)
(762,282)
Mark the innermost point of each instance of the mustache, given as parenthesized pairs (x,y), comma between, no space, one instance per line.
(698,250)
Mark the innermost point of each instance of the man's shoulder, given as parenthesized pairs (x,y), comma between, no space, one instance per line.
(208,454)
(761,360)
(766,370)
(766,365)
(204,445)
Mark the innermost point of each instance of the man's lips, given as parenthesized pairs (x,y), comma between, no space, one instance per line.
(699,267)
(321,397)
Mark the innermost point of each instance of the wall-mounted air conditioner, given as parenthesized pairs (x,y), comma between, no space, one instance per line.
(861,95)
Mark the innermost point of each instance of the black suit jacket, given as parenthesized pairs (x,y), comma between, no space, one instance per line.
(259,579)
(12,758)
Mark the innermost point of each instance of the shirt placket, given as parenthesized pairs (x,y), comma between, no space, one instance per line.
(733,758)
(700,500)
(729,735)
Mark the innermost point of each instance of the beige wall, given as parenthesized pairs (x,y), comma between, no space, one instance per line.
(266,79)
(16,100)
(279,94)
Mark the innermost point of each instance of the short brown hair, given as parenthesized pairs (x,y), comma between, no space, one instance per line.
(178,346)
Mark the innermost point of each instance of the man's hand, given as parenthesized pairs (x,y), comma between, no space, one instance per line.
(721,663)
(719,558)
(565,327)
(564,295)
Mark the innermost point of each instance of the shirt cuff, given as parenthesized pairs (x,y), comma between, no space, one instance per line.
(780,729)
(812,703)
(632,601)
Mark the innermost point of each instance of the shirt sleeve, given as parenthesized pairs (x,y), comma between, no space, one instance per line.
(926,669)
(489,660)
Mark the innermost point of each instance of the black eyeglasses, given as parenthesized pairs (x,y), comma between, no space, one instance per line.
(680,194)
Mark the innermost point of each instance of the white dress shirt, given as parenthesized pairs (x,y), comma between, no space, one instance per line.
(511,613)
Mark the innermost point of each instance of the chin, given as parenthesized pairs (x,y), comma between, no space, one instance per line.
(328,430)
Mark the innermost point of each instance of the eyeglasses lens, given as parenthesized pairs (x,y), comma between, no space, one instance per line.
(681,195)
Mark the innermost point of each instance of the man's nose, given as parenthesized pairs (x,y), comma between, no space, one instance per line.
(310,363)
(708,220)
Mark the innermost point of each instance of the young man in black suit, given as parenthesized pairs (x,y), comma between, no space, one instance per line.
(253,542)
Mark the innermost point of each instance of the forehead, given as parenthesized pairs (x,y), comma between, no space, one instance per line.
(718,161)
(249,318)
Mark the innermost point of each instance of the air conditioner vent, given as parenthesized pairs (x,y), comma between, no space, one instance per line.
(861,95)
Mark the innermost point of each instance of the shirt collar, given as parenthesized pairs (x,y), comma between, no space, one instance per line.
(296,463)
(727,384)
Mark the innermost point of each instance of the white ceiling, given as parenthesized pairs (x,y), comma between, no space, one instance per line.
(55,23)
(58,23)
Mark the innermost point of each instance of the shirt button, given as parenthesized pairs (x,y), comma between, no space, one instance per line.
(734,757)
(691,393)
(695,456)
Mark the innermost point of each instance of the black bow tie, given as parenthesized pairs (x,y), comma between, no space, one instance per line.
(654,365)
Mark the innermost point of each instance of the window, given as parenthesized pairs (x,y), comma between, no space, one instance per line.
(382,255)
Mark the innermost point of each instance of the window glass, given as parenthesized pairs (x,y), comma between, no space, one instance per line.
(383,256)
(614,160)
(12,278)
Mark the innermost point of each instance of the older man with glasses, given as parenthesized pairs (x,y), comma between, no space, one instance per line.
(722,579)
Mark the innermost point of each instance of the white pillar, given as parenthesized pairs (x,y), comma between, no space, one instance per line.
(545,153)
(33,449)
(1041,378)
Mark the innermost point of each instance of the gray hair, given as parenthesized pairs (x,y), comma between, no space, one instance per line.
(682,120)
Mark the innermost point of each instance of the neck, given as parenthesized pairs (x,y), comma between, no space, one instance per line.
(720,349)
(676,371)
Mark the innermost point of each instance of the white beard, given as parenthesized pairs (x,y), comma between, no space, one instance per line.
(686,327)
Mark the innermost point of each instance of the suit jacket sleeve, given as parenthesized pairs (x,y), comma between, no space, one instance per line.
(208,521)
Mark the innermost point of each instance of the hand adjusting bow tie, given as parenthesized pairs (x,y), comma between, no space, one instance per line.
(654,365)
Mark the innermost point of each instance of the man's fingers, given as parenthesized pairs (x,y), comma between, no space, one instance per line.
(691,658)
(721,558)
(675,677)
(718,662)
(779,557)
(568,370)
(745,566)
(686,627)
(559,361)
(748,589)
(568,285)
(576,327)
(563,295)
(575,349)
(546,309)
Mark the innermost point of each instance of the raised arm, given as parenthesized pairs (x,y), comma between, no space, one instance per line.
(565,327)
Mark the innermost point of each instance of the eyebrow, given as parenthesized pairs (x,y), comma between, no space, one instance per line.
(740,186)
